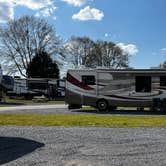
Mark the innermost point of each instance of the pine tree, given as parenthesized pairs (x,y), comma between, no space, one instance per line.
(42,66)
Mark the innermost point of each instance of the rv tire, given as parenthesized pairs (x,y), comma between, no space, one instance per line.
(102,105)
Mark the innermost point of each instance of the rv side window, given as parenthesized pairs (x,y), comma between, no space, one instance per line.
(143,83)
(163,81)
(88,80)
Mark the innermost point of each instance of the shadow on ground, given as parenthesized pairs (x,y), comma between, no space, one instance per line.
(121,112)
(12,148)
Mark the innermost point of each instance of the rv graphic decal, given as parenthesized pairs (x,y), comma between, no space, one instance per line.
(78,83)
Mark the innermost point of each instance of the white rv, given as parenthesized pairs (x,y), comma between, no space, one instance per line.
(108,88)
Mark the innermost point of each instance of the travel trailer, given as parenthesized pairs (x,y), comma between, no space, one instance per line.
(107,88)
(29,87)
(2,88)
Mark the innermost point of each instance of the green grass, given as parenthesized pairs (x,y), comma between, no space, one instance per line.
(82,120)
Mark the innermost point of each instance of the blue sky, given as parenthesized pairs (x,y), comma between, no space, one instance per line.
(139,26)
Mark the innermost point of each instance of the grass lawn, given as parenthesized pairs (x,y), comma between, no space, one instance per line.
(82,120)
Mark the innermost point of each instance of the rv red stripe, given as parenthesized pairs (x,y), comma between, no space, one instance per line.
(128,98)
(101,85)
(77,83)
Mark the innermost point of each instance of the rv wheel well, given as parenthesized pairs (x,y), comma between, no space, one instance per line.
(102,99)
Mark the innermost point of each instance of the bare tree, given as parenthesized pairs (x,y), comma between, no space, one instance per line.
(85,52)
(78,50)
(21,39)
(108,54)
(162,65)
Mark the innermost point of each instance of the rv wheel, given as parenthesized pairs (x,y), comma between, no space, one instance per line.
(102,105)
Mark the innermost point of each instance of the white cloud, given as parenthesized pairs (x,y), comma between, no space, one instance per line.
(43,13)
(163,49)
(46,12)
(33,4)
(6,11)
(106,35)
(88,14)
(9,5)
(54,18)
(130,49)
(76,2)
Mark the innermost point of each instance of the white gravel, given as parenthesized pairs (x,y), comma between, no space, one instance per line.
(53,146)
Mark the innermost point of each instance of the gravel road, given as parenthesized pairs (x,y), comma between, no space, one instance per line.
(62,109)
(52,146)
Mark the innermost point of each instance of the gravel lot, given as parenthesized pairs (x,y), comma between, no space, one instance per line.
(52,146)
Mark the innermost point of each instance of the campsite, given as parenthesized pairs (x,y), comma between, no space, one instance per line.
(82,83)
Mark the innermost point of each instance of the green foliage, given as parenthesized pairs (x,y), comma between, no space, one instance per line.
(42,66)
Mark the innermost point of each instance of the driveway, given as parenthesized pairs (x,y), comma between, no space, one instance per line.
(33,107)
(62,109)
(36,109)
(53,146)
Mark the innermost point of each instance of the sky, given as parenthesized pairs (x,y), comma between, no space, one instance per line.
(137,26)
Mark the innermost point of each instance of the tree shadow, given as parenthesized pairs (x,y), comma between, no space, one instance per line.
(120,112)
(12,148)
